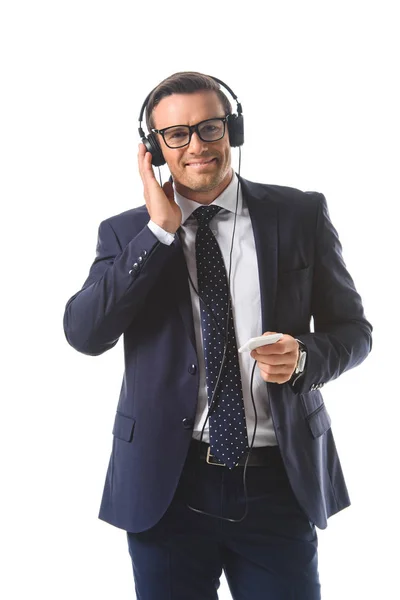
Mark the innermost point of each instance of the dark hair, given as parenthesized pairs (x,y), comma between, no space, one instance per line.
(185,82)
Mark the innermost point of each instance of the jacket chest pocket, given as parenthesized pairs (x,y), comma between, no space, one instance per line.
(297,278)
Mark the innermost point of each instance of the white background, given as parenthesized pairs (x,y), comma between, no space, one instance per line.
(318,84)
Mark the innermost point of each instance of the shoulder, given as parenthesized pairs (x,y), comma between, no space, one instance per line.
(279,193)
(286,200)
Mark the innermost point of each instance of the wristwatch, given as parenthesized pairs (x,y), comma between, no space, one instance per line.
(301,361)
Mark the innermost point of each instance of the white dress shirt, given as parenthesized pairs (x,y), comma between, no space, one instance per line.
(246,305)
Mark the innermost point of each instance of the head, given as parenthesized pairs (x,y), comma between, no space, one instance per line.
(187,99)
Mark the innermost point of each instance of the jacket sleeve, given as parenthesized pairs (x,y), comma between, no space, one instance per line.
(115,290)
(342,336)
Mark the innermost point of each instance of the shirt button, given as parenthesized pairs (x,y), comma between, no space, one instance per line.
(192,369)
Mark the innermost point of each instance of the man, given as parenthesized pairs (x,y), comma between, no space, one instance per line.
(210,261)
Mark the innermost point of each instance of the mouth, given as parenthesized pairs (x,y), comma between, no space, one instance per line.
(201,164)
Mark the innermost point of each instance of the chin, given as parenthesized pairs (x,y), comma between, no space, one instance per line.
(203,184)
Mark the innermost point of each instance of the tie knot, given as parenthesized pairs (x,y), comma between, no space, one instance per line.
(204,214)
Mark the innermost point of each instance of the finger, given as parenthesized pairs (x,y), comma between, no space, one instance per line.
(144,158)
(278,370)
(270,349)
(274,359)
(141,153)
(275,378)
(147,166)
(146,171)
(281,377)
(169,190)
(283,346)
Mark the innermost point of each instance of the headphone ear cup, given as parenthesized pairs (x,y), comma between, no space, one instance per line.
(153,147)
(236,130)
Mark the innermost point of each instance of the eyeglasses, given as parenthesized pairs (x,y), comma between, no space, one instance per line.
(177,136)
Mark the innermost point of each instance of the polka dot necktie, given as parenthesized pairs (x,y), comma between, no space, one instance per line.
(228,432)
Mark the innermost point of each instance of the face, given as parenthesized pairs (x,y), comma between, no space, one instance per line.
(200,182)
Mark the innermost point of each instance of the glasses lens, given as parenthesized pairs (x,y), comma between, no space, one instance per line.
(176,136)
(212,130)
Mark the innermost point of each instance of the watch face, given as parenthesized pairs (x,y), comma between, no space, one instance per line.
(302,361)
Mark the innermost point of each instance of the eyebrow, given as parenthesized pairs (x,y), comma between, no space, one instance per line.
(186,125)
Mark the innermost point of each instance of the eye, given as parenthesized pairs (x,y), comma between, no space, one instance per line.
(209,128)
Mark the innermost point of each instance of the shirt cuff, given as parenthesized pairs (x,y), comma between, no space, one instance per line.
(163,236)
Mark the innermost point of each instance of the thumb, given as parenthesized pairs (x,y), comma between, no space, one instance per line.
(168,190)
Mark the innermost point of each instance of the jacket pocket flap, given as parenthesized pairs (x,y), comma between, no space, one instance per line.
(123,427)
(319,421)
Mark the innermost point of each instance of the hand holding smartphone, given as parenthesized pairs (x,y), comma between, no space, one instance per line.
(261,340)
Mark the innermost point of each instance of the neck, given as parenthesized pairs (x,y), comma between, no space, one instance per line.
(204,197)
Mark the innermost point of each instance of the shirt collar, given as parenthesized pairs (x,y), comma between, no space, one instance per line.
(227,200)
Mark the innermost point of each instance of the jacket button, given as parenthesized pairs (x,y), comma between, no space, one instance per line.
(192,369)
(187,423)
(135,267)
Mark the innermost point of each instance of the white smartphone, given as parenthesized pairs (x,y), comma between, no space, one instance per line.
(261,340)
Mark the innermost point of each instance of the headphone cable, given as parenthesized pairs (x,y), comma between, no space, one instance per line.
(210,409)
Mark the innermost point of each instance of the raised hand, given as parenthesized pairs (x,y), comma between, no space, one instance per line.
(160,202)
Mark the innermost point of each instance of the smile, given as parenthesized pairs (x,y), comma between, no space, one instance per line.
(199,165)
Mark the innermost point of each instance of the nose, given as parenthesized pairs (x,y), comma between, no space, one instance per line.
(197,146)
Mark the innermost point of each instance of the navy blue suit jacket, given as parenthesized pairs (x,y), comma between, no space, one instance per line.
(138,287)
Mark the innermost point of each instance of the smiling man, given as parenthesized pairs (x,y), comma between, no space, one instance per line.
(201,170)
(222,461)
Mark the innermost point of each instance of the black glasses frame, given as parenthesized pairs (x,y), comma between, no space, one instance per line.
(192,129)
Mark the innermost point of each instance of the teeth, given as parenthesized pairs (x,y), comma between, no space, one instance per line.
(201,163)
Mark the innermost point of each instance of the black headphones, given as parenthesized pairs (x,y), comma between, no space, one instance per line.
(235,129)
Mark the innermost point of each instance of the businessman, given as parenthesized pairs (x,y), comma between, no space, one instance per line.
(222,461)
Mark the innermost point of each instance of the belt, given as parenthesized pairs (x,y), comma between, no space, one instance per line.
(259,457)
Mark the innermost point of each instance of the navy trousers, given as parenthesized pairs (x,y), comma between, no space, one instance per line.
(271,555)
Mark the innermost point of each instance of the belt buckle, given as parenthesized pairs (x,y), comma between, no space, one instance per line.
(209,455)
